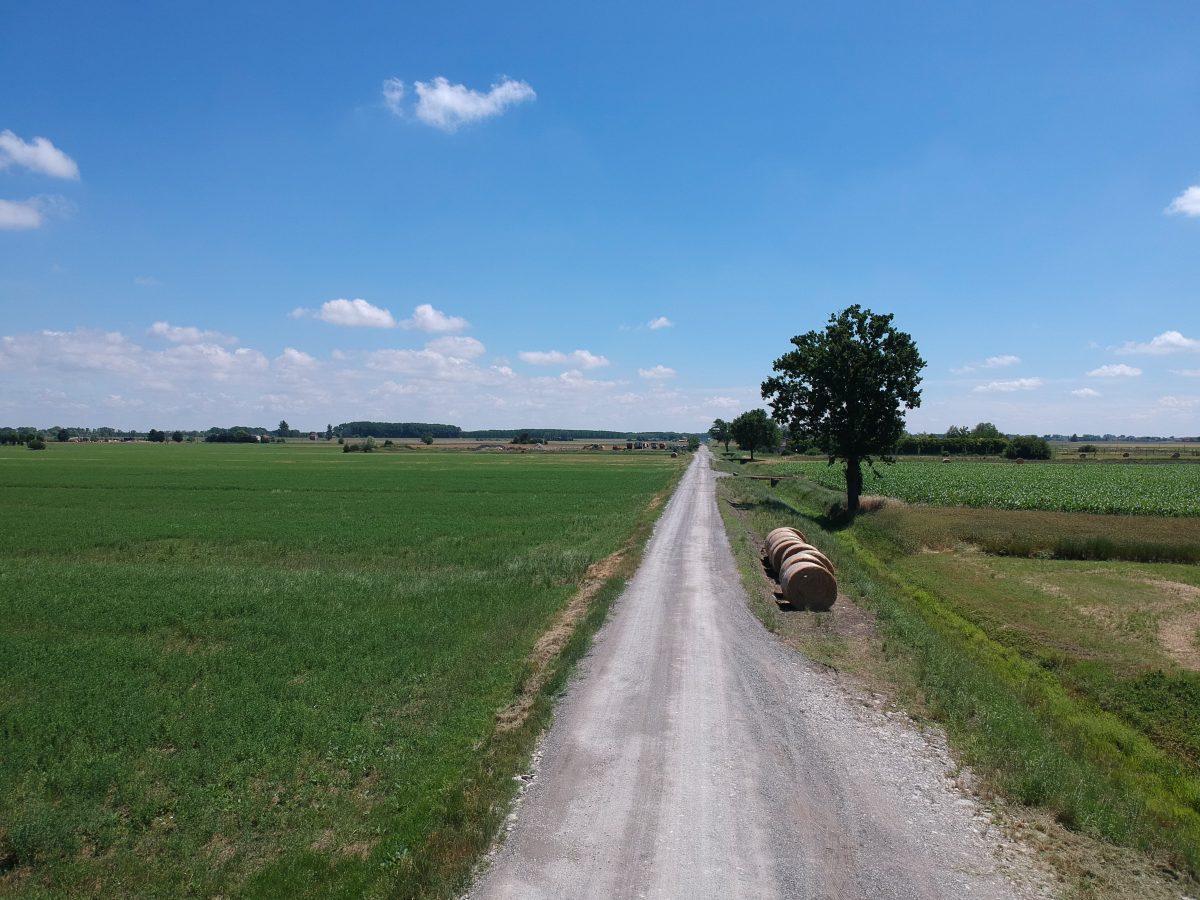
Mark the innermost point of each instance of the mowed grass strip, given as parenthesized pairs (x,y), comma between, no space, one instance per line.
(224,664)
(1163,489)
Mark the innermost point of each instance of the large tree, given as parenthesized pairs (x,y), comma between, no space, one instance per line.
(845,389)
(719,431)
(754,430)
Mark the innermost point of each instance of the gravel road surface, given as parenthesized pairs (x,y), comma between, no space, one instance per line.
(696,756)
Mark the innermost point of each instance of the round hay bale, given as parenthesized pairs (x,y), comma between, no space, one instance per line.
(1019,461)
(796,555)
(786,530)
(782,548)
(808,585)
(945,459)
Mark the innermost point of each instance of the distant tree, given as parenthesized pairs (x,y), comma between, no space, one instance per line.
(957,431)
(986,430)
(1028,446)
(719,431)
(427,439)
(36,444)
(177,437)
(63,435)
(754,430)
(693,443)
(156,436)
(328,432)
(845,390)
(284,429)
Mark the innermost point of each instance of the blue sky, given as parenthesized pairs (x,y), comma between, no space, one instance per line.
(514,193)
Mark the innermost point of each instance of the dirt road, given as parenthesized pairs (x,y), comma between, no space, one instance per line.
(695,756)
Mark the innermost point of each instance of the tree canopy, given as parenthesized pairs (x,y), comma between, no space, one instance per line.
(719,431)
(754,430)
(844,389)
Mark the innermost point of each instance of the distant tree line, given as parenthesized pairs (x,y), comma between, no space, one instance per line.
(396,430)
(572,434)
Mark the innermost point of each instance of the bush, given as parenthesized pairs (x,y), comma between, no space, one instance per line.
(1027,446)
(1088,448)
(36,444)
(427,439)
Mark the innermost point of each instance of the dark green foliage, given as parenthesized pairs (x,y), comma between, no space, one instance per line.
(843,390)
(719,431)
(155,436)
(754,430)
(36,444)
(63,435)
(959,445)
(1028,446)
(397,430)
(177,437)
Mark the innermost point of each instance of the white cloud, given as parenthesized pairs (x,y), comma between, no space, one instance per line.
(356,313)
(660,322)
(460,347)
(187,334)
(447,106)
(393,95)
(1085,392)
(721,402)
(293,357)
(1017,384)
(576,379)
(1187,373)
(584,359)
(20,215)
(1187,203)
(658,372)
(146,281)
(1179,404)
(992,362)
(426,318)
(38,155)
(1167,342)
(1120,370)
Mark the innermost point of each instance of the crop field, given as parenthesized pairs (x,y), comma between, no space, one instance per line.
(1166,489)
(269,671)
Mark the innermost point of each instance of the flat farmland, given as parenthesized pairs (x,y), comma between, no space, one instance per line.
(1161,489)
(270,670)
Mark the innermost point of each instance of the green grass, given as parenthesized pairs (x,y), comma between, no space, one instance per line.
(254,670)
(1116,488)
(1049,676)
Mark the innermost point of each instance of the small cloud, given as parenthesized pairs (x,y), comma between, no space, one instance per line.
(458,347)
(1017,384)
(292,356)
(187,334)
(1085,392)
(38,155)
(1187,373)
(393,95)
(1119,370)
(426,318)
(657,373)
(1179,403)
(1186,204)
(20,215)
(351,313)
(447,106)
(721,402)
(992,362)
(1167,342)
(146,281)
(660,322)
(506,371)
(585,359)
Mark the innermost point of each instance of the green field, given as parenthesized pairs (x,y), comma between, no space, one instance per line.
(1066,675)
(273,671)
(1166,489)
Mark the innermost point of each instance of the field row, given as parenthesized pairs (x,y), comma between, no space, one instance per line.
(1165,490)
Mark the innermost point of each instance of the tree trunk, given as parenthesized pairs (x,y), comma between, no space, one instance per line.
(854,480)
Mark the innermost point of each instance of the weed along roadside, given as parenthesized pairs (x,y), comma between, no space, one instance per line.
(1053,680)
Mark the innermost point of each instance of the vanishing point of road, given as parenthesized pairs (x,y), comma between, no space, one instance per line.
(696,756)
